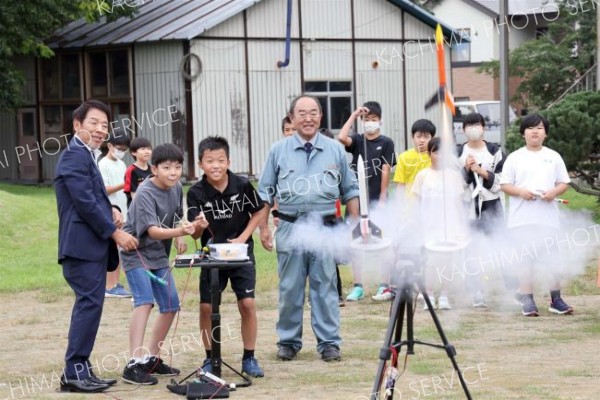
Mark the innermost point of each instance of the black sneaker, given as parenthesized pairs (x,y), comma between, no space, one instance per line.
(286,353)
(138,375)
(529,308)
(331,353)
(558,306)
(156,366)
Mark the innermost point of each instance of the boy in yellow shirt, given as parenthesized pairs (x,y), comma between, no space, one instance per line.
(412,161)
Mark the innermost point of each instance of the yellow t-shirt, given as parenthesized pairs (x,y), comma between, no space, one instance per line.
(410,163)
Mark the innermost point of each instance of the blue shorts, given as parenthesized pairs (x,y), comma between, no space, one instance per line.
(145,290)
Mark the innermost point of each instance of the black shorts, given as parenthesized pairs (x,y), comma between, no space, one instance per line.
(243,282)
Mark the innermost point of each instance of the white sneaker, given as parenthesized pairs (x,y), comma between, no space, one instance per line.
(443,303)
(383,294)
(432,300)
(479,300)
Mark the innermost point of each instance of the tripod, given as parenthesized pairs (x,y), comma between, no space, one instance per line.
(214,266)
(404,304)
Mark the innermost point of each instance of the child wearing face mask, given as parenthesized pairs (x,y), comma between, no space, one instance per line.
(379,160)
(112,168)
(482,163)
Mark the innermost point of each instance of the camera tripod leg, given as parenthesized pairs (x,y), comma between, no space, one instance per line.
(393,334)
(404,303)
(450,349)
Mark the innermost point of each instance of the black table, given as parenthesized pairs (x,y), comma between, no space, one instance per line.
(214,266)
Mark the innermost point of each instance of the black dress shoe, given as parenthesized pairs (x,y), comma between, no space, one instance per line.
(286,353)
(81,386)
(101,381)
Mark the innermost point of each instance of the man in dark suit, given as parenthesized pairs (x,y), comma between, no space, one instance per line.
(89,228)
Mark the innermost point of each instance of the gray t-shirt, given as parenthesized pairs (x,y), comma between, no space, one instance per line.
(152,206)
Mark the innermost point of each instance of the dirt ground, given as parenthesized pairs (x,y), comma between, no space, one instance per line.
(502,355)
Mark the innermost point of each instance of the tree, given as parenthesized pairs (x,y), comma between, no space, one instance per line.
(25,24)
(553,61)
(573,133)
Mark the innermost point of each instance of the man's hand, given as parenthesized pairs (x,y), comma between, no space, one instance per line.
(236,240)
(188,228)
(470,163)
(360,111)
(117,218)
(180,245)
(266,239)
(201,221)
(125,240)
(527,194)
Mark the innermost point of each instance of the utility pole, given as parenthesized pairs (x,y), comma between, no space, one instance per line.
(504,103)
(597,48)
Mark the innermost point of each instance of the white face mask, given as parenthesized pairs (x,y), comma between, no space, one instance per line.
(118,154)
(474,132)
(371,126)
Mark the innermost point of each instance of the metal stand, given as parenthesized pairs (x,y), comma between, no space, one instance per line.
(404,304)
(214,266)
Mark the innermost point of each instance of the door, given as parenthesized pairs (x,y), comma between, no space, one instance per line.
(30,149)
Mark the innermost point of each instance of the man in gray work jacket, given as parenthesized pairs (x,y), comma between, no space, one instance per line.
(306,173)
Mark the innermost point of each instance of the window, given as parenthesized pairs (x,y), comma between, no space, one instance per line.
(61,92)
(336,101)
(60,77)
(61,87)
(461,48)
(108,81)
(109,74)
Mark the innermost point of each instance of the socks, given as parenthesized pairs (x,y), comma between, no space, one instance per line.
(247,354)
(358,285)
(208,353)
(554,294)
(134,361)
(527,298)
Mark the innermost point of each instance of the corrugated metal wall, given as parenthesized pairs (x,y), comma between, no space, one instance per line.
(378,26)
(159,93)
(268,19)
(219,97)
(271,91)
(383,84)
(326,19)
(377,20)
(8,141)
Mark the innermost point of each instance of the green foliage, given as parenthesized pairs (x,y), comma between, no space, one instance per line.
(572,133)
(552,62)
(25,24)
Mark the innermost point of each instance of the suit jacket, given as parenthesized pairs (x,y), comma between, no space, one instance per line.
(84,210)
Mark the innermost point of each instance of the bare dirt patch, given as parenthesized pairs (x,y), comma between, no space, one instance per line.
(503,355)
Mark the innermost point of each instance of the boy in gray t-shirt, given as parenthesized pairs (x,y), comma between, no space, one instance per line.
(153,219)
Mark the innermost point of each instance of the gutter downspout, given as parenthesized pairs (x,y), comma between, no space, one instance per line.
(288,37)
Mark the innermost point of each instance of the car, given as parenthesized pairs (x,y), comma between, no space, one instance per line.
(489,109)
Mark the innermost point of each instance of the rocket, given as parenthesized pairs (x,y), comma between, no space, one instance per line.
(443,93)
(365,228)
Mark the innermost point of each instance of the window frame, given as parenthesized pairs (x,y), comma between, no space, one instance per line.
(326,121)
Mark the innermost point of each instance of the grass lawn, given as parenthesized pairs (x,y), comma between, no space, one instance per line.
(502,354)
(29,242)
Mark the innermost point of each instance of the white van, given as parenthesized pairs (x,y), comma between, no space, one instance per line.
(489,109)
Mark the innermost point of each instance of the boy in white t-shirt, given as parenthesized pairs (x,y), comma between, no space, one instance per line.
(113,170)
(443,197)
(533,176)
